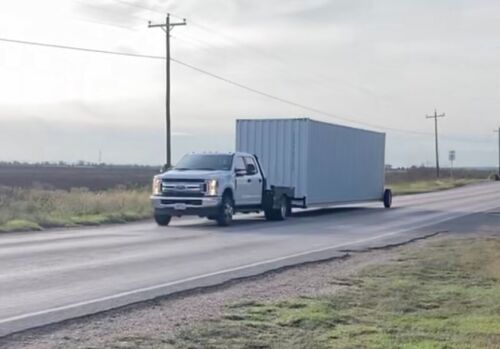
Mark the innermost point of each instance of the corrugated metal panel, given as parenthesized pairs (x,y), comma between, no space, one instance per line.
(281,145)
(345,164)
(325,163)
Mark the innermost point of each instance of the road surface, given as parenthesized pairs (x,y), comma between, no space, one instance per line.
(55,275)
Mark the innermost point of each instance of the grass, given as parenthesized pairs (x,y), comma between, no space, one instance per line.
(446,295)
(35,209)
(426,186)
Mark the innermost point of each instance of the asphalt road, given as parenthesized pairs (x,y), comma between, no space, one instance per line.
(56,275)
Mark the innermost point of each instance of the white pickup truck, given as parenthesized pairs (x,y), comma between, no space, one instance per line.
(217,185)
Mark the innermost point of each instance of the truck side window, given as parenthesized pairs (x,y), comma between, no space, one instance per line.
(239,164)
(250,161)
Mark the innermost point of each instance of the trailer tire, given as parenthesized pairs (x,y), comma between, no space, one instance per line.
(162,220)
(225,216)
(388,198)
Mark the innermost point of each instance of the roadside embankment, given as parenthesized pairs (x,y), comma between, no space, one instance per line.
(35,209)
(427,186)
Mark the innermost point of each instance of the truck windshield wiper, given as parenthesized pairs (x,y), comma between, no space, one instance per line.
(181,168)
(206,169)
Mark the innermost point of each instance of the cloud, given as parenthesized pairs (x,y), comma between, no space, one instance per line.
(110,12)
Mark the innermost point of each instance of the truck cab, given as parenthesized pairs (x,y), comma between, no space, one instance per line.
(216,185)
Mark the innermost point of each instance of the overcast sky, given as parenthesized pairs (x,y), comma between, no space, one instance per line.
(385,63)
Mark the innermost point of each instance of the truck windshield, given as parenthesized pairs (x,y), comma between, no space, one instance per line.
(207,162)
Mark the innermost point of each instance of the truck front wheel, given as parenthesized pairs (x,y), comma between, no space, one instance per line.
(162,220)
(225,216)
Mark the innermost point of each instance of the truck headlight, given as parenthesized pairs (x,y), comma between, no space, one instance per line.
(157,186)
(212,187)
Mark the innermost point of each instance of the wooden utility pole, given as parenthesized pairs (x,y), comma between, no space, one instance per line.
(435,117)
(167,27)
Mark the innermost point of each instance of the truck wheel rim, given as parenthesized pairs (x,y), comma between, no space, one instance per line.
(283,208)
(228,211)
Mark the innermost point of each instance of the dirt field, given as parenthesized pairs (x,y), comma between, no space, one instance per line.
(97,178)
(94,178)
(417,174)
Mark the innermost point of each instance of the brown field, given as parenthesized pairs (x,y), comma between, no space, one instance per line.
(416,174)
(95,178)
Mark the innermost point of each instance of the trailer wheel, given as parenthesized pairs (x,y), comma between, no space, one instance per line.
(162,220)
(225,216)
(387,198)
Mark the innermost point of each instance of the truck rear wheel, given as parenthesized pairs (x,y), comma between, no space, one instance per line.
(388,198)
(162,220)
(280,213)
(225,216)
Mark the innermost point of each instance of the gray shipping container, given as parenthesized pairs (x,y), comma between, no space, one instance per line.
(325,163)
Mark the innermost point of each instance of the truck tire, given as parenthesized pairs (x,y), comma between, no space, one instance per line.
(279,214)
(225,216)
(387,198)
(162,220)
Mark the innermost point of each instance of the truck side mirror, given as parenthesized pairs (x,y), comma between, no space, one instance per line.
(251,170)
(240,172)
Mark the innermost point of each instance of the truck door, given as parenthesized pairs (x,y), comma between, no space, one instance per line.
(254,181)
(242,185)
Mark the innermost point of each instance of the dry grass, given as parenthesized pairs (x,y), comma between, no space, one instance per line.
(35,209)
(427,186)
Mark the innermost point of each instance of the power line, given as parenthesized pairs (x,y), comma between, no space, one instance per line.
(218,77)
(75,48)
(276,58)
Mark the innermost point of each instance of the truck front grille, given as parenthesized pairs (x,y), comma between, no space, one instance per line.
(181,201)
(183,188)
(183,194)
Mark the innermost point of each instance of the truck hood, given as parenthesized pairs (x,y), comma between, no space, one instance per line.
(174,174)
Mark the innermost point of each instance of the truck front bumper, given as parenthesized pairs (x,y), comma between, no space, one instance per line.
(186,206)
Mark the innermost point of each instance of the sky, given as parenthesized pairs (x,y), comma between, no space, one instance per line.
(380,65)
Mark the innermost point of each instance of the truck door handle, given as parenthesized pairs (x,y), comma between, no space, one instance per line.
(249,180)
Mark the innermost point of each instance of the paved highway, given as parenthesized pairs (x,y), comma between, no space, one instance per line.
(56,275)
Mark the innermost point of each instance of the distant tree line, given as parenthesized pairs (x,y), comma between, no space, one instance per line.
(79,163)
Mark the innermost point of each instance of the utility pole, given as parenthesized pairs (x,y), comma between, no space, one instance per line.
(167,27)
(435,117)
(498,151)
